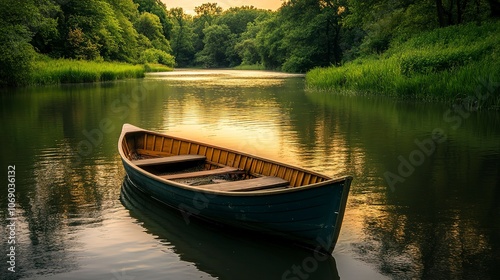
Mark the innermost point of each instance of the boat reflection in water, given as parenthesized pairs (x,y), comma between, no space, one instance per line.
(222,253)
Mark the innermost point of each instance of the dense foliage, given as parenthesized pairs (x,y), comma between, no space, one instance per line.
(301,35)
(111,30)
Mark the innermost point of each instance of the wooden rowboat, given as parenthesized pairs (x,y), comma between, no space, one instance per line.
(236,189)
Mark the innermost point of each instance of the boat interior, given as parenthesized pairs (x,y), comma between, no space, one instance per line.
(196,164)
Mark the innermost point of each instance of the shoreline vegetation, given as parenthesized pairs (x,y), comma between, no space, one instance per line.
(451,63)
(61,71)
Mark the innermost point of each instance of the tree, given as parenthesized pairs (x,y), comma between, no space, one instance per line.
(205,16)
(383,21)
(182,37)
(237,18)
(159,9)
(95,21)
(269,42)
(247,47)
(302,35)
(44,25)
(208,9)
(149,25)
(216,43)
(127,42)
(386,21)
(16,53)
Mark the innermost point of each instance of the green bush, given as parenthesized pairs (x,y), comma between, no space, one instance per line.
(157,56)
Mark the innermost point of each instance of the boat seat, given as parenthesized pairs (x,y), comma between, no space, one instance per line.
(168,160)
(218,171)
(259,183)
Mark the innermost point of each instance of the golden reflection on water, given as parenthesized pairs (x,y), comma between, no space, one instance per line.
(255,122)
(224,78)
(233,124)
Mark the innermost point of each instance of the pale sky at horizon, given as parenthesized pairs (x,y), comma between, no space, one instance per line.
(189,5)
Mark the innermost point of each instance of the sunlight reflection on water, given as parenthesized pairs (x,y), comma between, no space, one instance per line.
(224,77)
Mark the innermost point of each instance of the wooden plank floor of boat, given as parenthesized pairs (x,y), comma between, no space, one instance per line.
(168,160)
(218,171)
(264,182)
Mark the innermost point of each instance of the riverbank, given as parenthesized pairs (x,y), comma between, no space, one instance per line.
(447,63)
(61,71)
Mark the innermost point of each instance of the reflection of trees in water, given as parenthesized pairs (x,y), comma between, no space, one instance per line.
(442,221)
(59,199)
(410,246)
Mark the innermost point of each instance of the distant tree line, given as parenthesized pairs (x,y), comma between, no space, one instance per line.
(301,35)
(304,34)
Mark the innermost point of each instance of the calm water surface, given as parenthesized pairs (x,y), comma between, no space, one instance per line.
(425,202)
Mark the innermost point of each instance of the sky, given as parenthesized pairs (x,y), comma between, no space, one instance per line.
(188,5)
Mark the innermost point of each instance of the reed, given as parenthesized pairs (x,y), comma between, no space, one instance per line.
(442,64)
(59,71)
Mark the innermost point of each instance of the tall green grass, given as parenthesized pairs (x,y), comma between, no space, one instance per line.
(445,63)
(59,71)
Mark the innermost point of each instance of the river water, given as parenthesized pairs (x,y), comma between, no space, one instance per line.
(424,204)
